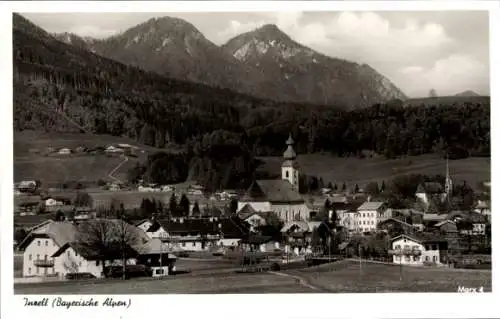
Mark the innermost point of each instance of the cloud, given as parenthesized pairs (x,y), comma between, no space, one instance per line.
(416,56)
(450,75)
(92,31)
(236,28)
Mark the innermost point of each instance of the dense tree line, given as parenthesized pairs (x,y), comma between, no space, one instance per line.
(82,91)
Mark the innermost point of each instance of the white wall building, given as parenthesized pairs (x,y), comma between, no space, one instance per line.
(369,214)
(412,250)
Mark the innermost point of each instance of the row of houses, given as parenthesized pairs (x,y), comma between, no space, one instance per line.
(58,249)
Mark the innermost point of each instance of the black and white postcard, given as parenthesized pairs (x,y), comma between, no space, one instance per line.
(293,159)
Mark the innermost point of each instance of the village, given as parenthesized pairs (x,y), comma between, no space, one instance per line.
(269,226)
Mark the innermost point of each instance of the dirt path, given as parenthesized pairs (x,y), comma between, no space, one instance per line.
(300,280)
(116,168)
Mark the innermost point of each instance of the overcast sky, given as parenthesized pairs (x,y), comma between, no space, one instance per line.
(418,51)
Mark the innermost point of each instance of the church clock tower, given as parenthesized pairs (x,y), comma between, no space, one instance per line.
(290,167)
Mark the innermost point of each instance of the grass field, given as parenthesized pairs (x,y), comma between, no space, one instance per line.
(347,277)
(182,284)
(217,277)
(29,164)
(361,171)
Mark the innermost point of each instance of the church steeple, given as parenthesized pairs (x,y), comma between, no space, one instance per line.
(448,186)
(289,154)
(289,168)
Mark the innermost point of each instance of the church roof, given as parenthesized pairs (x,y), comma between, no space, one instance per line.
(272,191)
(289,154)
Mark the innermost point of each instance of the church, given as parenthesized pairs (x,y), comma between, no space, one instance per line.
(279,196)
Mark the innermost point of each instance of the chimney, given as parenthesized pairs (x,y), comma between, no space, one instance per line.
(369,199)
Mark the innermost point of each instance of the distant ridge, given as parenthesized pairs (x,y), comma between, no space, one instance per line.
(467,93)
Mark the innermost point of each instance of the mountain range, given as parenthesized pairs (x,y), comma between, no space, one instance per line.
(265,63)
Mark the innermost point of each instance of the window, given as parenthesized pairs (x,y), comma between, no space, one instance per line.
(286,174)
(397,247)
(416,258)
(194,244)
(434,247)
(45,257)
(37,256)
(372,222)
(183,244)
(46,243)
(68,253)
(363,214)
(415,247)
(398,258)
(159,271)
(408,258)
(29,270)
(97,262)
(427,258)
(29,257)
(407,247)
(434,258)
(80,264)
(38,242)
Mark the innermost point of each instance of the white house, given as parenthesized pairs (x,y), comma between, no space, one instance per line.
(64,151)
(113,149)
(41,243)
(80,258)
(417,250)
(369,214)
(53,202)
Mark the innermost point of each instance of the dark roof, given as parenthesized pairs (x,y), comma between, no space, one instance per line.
(422,237)
(430,188)
(29,221)
(90,252)
(395,220)
(232,227)
(246,211)
(272,190)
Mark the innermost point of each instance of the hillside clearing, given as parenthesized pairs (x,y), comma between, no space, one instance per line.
(359,171)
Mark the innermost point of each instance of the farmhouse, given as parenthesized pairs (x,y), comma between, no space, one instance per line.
(418,249)
(64,151)
(114,150)
(198,234)
(395,226)
(298,235)
(27,186)
(80,258)
(41,243)
(279,196)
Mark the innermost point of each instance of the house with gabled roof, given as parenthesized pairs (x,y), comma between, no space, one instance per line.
(418,249)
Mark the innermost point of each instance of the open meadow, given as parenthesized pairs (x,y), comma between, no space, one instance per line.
(221,277)
(348,277)
(31,164)
(353,170)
